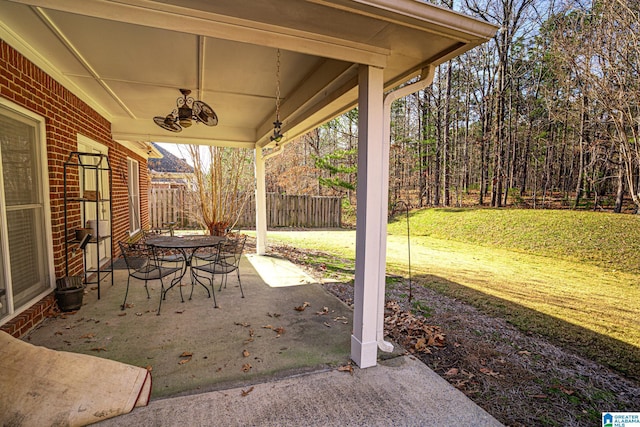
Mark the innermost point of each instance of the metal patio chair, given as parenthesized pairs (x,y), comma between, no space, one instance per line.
(145,263)
(226,261)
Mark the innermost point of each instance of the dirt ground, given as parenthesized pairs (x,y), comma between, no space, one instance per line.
(521,379)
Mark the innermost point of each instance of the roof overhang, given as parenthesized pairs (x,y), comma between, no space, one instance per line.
(128,58)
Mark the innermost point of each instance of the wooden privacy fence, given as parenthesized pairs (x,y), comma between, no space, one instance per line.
(173,205)
(285,210)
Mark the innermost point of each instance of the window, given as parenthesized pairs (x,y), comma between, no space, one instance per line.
(133,169)
(25,231)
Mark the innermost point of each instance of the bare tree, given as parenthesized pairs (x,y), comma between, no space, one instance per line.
(222,184)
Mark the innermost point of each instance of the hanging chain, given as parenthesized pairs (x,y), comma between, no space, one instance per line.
(277,125)
(278,85)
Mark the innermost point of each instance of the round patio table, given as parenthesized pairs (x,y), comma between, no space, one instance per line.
(187,246)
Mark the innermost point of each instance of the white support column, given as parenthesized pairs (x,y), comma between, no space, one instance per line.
(368,277)
(261,203)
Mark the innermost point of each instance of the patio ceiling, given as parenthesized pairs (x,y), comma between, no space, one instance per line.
(128,58)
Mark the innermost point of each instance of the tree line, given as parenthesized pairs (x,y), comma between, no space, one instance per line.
(546,114)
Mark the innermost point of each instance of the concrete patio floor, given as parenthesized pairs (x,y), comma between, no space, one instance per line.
(254,360)
(245,340)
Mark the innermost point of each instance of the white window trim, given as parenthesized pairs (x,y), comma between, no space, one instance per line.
(130,160)
(46,204)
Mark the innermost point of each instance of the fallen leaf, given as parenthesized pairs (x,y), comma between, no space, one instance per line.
(566,391)
(58,333)
(346,368)
(268,327)
(183,361)
(326,324)
(246,367)
(245,393)
(138,314)
(149,368)
(524,353)
(303,306)
(245,353)
(276,315)
(451,372)
(122,314)
(242,324)
(325,310)
(179,311)
(98,349)
(279,330)
(186,354)
(460,384)
(489,372)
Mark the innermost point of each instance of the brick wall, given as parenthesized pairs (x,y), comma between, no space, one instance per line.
(28,319)
(66,116)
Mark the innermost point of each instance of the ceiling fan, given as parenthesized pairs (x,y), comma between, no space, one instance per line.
(186,112)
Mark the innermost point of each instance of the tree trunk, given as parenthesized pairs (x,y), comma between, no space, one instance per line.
(446,167)
(620,193)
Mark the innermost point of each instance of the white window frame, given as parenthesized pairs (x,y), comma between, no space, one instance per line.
(133,189)
(47,239)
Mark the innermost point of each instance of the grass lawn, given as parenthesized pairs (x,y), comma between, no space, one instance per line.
(570,276)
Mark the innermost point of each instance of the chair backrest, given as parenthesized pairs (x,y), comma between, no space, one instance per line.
(136,255)
(234,246)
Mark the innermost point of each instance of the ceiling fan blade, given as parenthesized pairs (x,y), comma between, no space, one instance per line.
(204,113)
(167,123)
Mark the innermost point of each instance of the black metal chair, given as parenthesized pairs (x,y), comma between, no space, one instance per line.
(211,253)
(145,263)
(224,260)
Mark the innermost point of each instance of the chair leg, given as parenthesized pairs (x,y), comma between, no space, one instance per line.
(124,303)
(238,273)
(180,287)
(146,288)
(223,281)
(163,295)
(215,303)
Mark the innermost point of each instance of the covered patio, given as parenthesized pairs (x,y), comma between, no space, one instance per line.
(298,63)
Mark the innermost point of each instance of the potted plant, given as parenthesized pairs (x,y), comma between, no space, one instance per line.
(69,292)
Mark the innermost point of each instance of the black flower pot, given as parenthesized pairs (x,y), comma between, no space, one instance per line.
(69,299)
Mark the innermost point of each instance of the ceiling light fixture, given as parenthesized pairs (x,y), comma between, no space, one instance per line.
(186,112)
(277,125)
